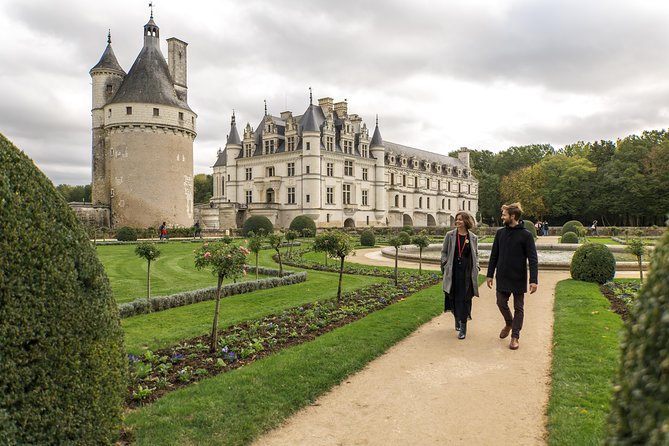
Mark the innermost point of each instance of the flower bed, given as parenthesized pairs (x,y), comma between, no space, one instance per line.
(156,373)
(621,295)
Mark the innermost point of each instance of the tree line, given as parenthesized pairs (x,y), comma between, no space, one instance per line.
(624,183)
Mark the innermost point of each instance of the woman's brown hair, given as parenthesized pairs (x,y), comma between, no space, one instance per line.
(467,219)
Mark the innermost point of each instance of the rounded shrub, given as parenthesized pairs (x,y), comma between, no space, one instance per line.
(529,225)
(302,222)
(63,368)
(259,224)
(593,263)
(408,229)
(367,238)
(571,226)
(569,237)
(639,411)
(404,237)
(126,234)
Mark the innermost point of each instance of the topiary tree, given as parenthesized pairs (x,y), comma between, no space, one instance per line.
(275,241)
(148,251)
(593,262)
(225,261)
(529,225)
(404,238)
(302,222)
(63,369)
(571,226)
(336,244)
(569,237)
(367,238)
(637,247)
(639,411)
(396,241)
(259,224)
(422,241)
(255,245)
(291,235)
(408,229)
(126,234)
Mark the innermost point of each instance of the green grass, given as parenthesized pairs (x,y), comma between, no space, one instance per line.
(585,359)
(165,328)
(603,240)
(236,407)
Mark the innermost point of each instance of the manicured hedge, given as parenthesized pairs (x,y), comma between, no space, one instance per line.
(593,262)
(302,222)
(62,362)
(258,224)
(569,237)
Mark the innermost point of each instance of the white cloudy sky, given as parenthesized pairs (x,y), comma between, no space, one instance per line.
(486,74)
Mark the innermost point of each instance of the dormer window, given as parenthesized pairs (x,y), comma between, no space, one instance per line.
(110,88)
(128,110)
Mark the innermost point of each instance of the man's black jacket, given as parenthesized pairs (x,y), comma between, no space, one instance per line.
(512,249)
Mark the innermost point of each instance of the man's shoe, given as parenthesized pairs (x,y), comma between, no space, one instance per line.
(514,344)
(505,332)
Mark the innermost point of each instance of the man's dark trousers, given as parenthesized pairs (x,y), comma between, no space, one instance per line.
(514,320)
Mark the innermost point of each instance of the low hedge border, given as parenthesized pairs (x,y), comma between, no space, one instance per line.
(160,303)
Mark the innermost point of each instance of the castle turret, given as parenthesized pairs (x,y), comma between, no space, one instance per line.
(310,127)
(147,131)
(378,151)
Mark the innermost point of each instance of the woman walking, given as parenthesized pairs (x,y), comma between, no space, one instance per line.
(460,269)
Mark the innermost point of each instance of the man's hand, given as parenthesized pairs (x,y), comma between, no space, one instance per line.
(533,288)
(488,280)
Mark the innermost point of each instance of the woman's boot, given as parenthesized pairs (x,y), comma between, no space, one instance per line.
(457,325)
(463,330)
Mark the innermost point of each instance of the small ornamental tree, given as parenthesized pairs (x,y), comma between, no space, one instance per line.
(335,244)
(290,237)
(149,252)
(639,410)
(274,241)
(255,245)
(637,247)
(396,241)
(422,241)
(225,261)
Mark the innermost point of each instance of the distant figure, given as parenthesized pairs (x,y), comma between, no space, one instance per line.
(545,227)
(539,227)
(163,231)
(593,228)
(197,230)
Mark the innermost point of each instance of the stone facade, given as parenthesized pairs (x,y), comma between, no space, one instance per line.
(324,164)
(142,136)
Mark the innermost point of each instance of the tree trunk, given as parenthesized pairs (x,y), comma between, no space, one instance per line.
(214,329)
(640,270)
(256,267)
(148,285)
(341,273)
(420,260)
(278,253)
(397,252)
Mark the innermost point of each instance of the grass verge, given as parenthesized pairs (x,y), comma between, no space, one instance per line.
(585,359)
(234,408)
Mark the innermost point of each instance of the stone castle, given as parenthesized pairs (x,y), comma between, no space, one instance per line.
(143,132)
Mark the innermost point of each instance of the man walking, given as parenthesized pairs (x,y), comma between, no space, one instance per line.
(511,251)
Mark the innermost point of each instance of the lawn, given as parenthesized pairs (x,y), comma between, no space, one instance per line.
(585,359)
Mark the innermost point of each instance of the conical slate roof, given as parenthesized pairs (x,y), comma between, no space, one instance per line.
(149,79)
(312,119)
(108,61)
(222,159)
(233,138)
(376,138)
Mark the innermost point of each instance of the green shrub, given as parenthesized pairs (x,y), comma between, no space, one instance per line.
(259,224)
(408,229)
(569,237)
(639,412)
(62,361)
(593,263)
(126,234)
(572,226)
(367,238)
(529,225)
(302,222)
(404,237)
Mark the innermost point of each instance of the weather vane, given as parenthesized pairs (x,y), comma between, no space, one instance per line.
(151,6)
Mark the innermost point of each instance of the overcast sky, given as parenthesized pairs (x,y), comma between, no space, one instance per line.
(485,74)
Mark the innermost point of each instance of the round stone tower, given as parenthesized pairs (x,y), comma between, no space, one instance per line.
(145,142)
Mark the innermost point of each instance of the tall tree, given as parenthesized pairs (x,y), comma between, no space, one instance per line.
(525,185)
(203,188)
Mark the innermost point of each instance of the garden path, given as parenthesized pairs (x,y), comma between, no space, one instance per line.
(433,389)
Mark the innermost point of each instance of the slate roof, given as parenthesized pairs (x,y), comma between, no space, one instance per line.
(399,149)
(233,138)
(222,159)
(108,61)
(376,138)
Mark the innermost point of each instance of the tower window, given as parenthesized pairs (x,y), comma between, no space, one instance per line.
(110,88)
(181,116)
(128,110)
(156,112)
(308,146)
(109,113)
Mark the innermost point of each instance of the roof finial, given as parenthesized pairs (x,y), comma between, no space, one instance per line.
(377,119)
(151,6)
(311,97)
(265,101)
(109,36)
(233,116)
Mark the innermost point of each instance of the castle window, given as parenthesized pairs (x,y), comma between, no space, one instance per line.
(156,112)
(111,192)
(368,220)
(449,189)
(110,88)
(329,196)
(392,179)
(327,218)
(442,203)
(128,110)
(397,201)
(363,151)
(420,202)
(181,116)
(364,197)
(308,145)
(222,187)
(249,173)
(449,204)
(308,198)
(469,205)
(404,201)
(428,202)
(109,113)
(469,188)
(427,186)
(348,168)
(404,180)
(438,184)
(291,169)
(346,194)
(329,145)
(291,195)
(364,173)
(249,197)
(415,181)
(291,143)
(270,171)
(192,121)
(329,169)
(307,169)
